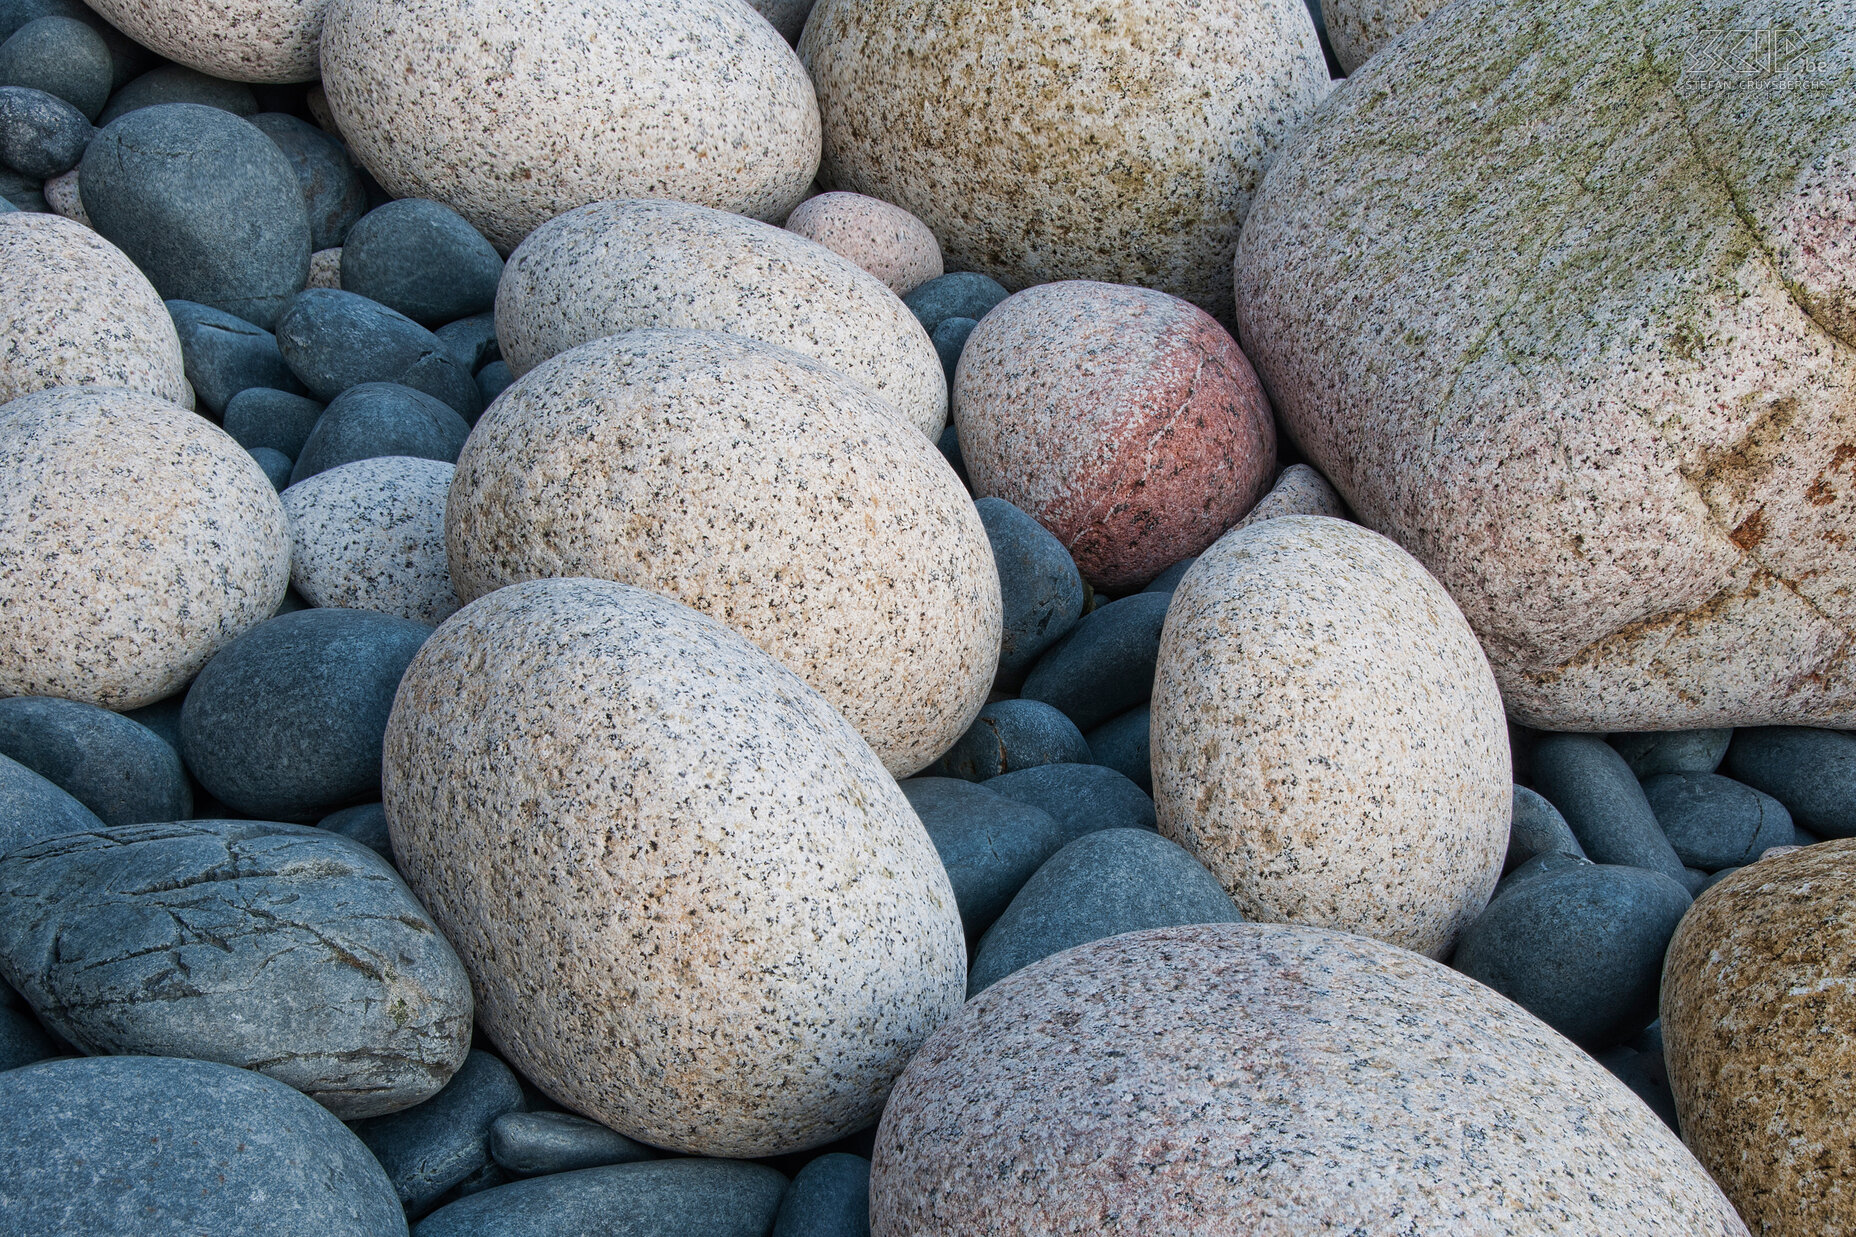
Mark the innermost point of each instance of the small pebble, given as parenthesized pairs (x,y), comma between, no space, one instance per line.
(267,417)
(1080,797)
(1812,772)
(119,769)
(174,83)
(1009,735)
(32,807)
(949,338)
(655,1198)
(40,134)
(1038,585)
(334,340)
(1125,744)
(830,1197)
(432,1147)
(276,466)
(471,341)
(1537,828)
(61,56)
(421,259)
(882,238)
(333,195)
(1714,822)
(963,294)
(225,354)
(528,1144)
(377,419)
(325,269)
(1672,751)
(1599,797)
(1105,665)
(989,844)
(365,823)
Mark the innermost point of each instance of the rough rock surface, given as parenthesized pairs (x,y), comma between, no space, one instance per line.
(879,236)
(370,535)
(239,40)
(1357,29)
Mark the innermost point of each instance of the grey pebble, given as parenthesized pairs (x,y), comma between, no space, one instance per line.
(1586,779)
(119,769)
(333,194)
(380,418)
(963,294)
(41,135)
(1812,772)
(421,258)
(1714,822)
(276,466)
(1009,735)
(431,1148)
(1105,666)
(684,1197)
(1536,828)
(173,83)
(334,340)
(1039,586)
(225,355)
(32,808)
(267,417)
(989,844)
(829,1197)
(365,823)
(62,56)
(471,341)
(1080,797)
(1672,751)
(529,1144)
(1124,744)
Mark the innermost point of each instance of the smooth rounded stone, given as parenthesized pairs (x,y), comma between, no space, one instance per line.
(334,340)
(1811,772)
(883,239)
(1755,1002)
(23,1040)
(1039,586)
(33,807)
(118,768)
(829,1197)
(1124,420)
(40,134)
(853,555)
(471,342)
(1537,828)
(628,265)
(1105,665)
(325,269)
(422,259)
(962,294)
(1328,738)
(267,417)
(989,844)
(278,948)
(1357,29)
(1539,865)
(62,197)
(1080,797)
(1124,744)
(1269,1079)
(224,354)
(21,190)
(1646,1078)
(432,1147)
(1009,735)
(1580,947)
(1168,580)
(75,311)
(243,42)
(377,420)
(333,195)
(370,535)
(1602,801)
(743,823)
(535,1143)
(61,56)
(492,380)
(1672,751)
(7,207)
(365,823)
(512,116)
(1299,490)
(1103,884)
(175,83)
(950,340)
(160,1147)
(136,540)
(1714,822)
(658,1198)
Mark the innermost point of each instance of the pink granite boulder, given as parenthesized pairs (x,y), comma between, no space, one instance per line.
(885,240)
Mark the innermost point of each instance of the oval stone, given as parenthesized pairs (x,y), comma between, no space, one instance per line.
(241,40)
(422,259)
(370,535)
(881,237)
(118,768)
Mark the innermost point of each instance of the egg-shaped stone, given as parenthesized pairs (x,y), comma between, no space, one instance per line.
(761,488)
(879,236)
(1328,738)
(692,903)
(370,535)
(238,40)
(638,263)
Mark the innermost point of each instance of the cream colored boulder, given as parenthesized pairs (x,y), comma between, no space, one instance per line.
(882,238)
(692,903)
(1580,334)
(766,491)
(370,535)
(61,194)
(511,114)
(136,540)
(240,40)
(1299,490)
(75,311)
(626,265)
(1118,141)
(1272,1081)
(1327,737)
(1357,29)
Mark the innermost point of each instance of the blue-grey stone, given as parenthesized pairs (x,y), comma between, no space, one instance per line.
(531,1144)
(276,465)
(682,1197)
(1714,878)
(267,417)
(1812,772)
(421,258)
(429,1149)
(1101,885)
(1672,751)
(40,134)
(1123,743)
(1536,828)
(1541,864)
(963,294)
(1586,779)
(7,207)
(948,444)
(380,418)
(830,1197)
(160,1147)
(224,355)
(335,340)
(365,823)
(1580,948)
(32,808)
(1105,666)
(471,341)
(1039,585)
(276,948)
(989,844)
(61,56)
(1080,797)
(162,717)
(20,191)
(492,380)
(204,203)
(949,338)
(23,1040)
(333,196)
(1715,822)
(173,83)
(1646,1076)
(1168,580)
(286,722)
(1009,735)
(120,769)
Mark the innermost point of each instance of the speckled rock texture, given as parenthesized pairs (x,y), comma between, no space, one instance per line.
(1120,142)
(1614,418)
(1328,738)
(511,115)
(136,539)
(761,488)
(238,40)
(325,269)
(1299,490)
(1124,420)
(61,194)
(1270,1080)
(1757,1008)
(627,265)
(74,311)
(881,237)
(637,829)
(371,536)
(1357,29)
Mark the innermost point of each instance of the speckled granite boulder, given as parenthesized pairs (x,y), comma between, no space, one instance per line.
(1614,419)
(712,769)
(1756,1006)
(621,266)
(1357,29)
(1273,1080)
(1124,420)
(278,948)
(511,116)
(882,238)
(75,311)
(972,124)
(661,1198)
(136,539)
(371,536)
(1327,736)
(325,269)
(239,40)
(118,768)
(1299,490)
(852,554)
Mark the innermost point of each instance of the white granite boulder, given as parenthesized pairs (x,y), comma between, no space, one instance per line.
(370,535)
(879,236)
(1357,29)
(239,40)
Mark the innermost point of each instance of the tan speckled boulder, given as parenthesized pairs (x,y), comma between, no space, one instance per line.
(1300,490)
(512,114)
(75,311)
(325,268)
(882,238)
(691,902)
(239,40)
(136,540)
(1552,309)
(764,490)
(1357,29)
(1327,737)
(370,535)
(1271,1081)
(626,265)
(1759,1030)
(61,194)
(1109,141)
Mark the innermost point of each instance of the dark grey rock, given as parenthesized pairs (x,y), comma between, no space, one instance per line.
(949,338)
(1803,837)
(1714,879)
(1539,865)
(1812,772)
(429,1149)
(492,380)
(204,203)
(1672,751)
(1586,779)
(61,56)
(162,717)
(1694,880)
(1646,1077)
(40,134)
(159,1147)
(21,191)
(1536,828)
(333,195)
(266,417)
(989,844)
(1101,885)
(1168,580)
(1080,797)
(1038,583)
(335,340)
(830,1197)
(421,258)
(276,466)
(173,83)
(1106,665)
(1580,948)
(6,207)
(471,341)
(1123,743)
(224,355)
(1009,735)
(1715,822)
(530,1144)
(365,823)
(32,808)
(277,948)
(23,1040)
(963,294)
(286,722)
(948,444)
(682,1197)
(380,418)
(118,768)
